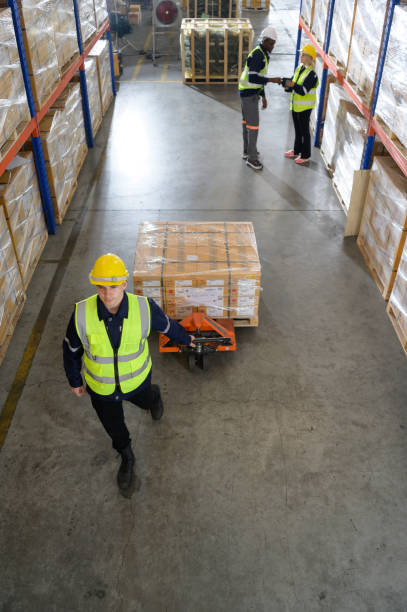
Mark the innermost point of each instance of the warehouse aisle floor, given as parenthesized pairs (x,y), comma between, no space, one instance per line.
(276,480)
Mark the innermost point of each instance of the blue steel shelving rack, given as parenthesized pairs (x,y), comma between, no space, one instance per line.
(374,128)
(33,128)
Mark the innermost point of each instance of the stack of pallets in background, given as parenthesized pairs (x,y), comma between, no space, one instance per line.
(383,228)
(14,112)
(200,267)
(213,8)
(257,5)
(101,13)
(66,41)
(12,296)
(87,19)
(21,202)
(101,53)
(214,50)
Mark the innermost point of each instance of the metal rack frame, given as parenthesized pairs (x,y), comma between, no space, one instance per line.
(374,129)
(33,128)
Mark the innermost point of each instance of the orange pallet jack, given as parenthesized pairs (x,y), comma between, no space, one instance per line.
(210,337)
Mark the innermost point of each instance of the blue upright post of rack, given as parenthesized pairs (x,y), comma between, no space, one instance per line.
(298,47)
(322,91)
(82,78)
(109,38)
(36,140)
(368,150)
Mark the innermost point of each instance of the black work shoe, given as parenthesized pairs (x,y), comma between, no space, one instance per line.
(125,473)
(244,156)
(256,165)
(157,408)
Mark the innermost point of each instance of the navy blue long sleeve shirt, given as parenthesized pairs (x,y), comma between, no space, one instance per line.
(73,349)
(310,82)
(256,63)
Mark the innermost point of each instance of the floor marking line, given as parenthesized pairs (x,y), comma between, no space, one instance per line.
(141,59)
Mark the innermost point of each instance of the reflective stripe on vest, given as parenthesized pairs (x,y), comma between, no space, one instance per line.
(244,77)
(133,358)
(301,103)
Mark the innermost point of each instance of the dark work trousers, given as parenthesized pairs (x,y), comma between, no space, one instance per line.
(302,144)
(250,124)
(111,414)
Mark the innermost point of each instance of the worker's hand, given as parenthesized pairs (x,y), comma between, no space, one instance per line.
(263,102)
(192,344)
(275,80)
(289,83)
(78,391)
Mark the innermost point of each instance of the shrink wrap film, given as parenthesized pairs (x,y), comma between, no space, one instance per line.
(66,41)
(87,19)
(397,308)
(101,13)
(335,113)
(22,205)
(319,65)
(307,11)
(208,267)
(205,54)
(341,32)
(11,288)
(92,82)
(392,101)
(320,19)
(39,40)
(13,100)
(384,223)
(101,53)
(364,51)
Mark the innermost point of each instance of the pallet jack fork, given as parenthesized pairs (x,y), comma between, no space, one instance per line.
(211,336)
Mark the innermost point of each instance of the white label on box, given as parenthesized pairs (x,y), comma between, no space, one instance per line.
(196,296)
(152,292)
(210,283)
(192,257)
(245,312)
(245,307)
(215,311)
(247,287)
(151,283)
(184,283)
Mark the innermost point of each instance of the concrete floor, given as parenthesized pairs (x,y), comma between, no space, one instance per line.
(276,482)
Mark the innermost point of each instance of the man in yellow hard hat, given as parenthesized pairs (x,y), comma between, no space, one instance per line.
(106,338)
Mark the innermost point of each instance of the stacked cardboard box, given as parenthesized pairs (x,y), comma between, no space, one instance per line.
(100,12)
(342,29)
(66,41)
(102,55)
(208,267)
(135,14)
(92,83)
(64,144)
(87,19)
(397,306)
(13,100)
(11,288)
(392,101)
(335,113)
(364,51)
(39,41)
(307,11)
(21,201)
(320,19)
(384,224)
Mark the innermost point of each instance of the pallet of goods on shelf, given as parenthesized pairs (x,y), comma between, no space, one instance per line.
(39,41)
(214,50)
(319,65)
(256,5)
(383,228)
(307,11)
(12,296)
(66,41)
(391,108)
(364,50)
(87,19)
(397,306)
(319,20)
(200,267)
(92,84)
(102,55)
(334,115)
(341,33)
(101,13)
(21,201)
(212,8)
(14,111)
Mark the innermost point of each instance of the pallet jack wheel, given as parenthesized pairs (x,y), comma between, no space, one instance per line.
(203,362)
(191,361)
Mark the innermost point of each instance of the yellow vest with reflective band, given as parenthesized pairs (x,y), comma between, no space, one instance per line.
(244,77)
(133,357)
(302,103)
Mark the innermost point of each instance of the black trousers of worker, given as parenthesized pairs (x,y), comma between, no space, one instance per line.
(302,144)
(111,414)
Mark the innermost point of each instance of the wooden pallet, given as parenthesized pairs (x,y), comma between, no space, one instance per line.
(397,329)
(392,136)
(254,322)
(81,160)
(59,216)
(69,63)
(26,281)
(98,124)
(385,291)
(214,80)
(11,328)
(8,144)
(327,165)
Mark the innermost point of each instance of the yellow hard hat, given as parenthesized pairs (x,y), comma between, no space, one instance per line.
(309,50)
(109,269)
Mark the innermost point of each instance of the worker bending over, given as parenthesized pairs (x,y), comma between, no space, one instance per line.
(251,88)
(109,332)
(303,89)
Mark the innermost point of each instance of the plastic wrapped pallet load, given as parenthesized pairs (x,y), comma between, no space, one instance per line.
(199,267)
(307,11)
(66,41)
(392,102)
(22,205)
(101,53)
(320,19)
(87,19)
(364,51)
(263,5)
(330,79)
(342,29)
(214,50)
(14,112)
(92,83)
(39,41)
(212,8)
(397,306)
(12,294)
(384,224)
(335,114)
(101,13)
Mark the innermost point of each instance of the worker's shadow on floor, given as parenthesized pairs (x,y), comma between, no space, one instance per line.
(220,93)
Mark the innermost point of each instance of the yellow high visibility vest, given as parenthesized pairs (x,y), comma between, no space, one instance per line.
(301,103)
(132,360)
(244,77)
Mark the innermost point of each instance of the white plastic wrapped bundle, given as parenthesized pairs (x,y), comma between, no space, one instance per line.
(100,12)
(102,55)
(367,34)
(397,308)
(392,101)
(335,112)
(92,82)
(342,30)
(320,18)
(13,100)
(87,19)
(307,11)
(384,223)
(66,41)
